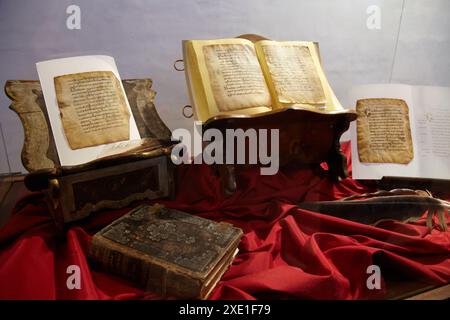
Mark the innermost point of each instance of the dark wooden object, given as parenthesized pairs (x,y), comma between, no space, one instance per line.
(306,139)
(75,192)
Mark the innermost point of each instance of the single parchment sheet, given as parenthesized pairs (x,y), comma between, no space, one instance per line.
(236,77)
(51,69)
(383,131)
(93,108)
(294,74)
(433,130)
(429,115)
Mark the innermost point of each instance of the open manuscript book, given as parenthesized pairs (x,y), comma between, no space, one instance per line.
(236,77)
(88,110)
(401,131)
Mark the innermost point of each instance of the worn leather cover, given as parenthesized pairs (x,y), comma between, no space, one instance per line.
(167,251)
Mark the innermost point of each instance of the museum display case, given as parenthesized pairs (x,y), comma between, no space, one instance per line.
(297,151)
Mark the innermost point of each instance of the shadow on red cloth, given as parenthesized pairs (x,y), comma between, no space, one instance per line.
(285,253)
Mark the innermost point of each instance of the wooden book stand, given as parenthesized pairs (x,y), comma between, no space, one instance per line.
(307,138)
(75,192)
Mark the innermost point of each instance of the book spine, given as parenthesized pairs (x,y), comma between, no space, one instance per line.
(117,262)
(182,286)
(148,276)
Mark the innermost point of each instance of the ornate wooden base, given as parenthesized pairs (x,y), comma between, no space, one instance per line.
(74,196)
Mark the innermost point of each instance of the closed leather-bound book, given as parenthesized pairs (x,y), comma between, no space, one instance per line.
(166,251)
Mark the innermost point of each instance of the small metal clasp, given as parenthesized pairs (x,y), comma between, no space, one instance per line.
(176,65)
(189,115)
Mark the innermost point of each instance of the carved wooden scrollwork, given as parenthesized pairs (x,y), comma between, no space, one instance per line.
(38,149)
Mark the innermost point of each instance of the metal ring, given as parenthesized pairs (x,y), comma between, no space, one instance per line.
(184,111)
(175,65)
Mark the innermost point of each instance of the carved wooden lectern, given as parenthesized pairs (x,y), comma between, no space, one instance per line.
(307,136)
(74,192)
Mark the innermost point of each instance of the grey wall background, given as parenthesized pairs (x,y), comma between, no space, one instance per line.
(145,39)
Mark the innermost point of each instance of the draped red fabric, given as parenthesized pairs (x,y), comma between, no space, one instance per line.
(285,253)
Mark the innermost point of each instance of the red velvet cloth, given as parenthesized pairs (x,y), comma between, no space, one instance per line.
(285,252)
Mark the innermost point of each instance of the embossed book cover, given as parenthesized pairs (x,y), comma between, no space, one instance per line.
(166,251)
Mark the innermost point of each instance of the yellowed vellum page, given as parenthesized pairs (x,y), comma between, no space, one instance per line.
(92,108)
(383,131)
(234,75)
(293,71)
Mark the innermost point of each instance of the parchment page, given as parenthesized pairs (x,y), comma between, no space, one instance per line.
(378,170)
(235,77)
(47,71)
(383,131)
(93,109)
(293,73)
(433,130)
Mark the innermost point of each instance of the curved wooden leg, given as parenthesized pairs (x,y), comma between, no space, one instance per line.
(337,163)
(227,178)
